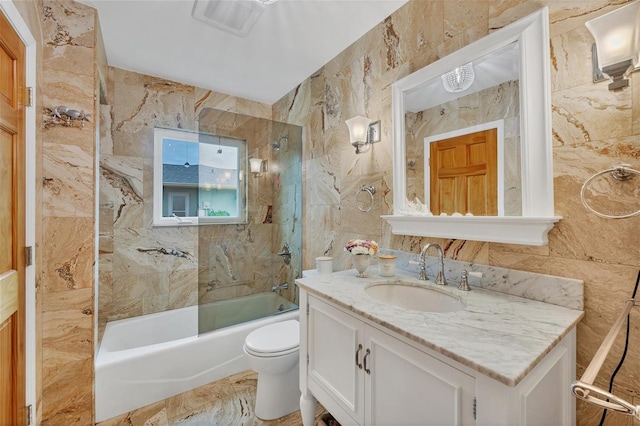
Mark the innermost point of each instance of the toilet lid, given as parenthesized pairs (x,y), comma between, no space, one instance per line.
(276,337)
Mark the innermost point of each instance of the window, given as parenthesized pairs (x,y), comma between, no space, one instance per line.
(198,178)
(178,204)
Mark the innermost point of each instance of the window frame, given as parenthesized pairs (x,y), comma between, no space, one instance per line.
(160,134)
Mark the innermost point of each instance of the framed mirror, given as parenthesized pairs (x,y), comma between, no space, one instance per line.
(199,178)
(472,152)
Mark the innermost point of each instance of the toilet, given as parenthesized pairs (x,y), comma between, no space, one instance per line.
(273,352)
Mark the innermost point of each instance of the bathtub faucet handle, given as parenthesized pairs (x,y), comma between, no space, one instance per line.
(285,254)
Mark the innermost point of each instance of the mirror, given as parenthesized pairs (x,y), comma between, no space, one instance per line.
(199,177)
(508,195)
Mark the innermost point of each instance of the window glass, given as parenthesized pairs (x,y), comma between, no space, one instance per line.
(199,178)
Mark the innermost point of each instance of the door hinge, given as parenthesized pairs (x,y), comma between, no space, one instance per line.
(307,310)
(28,256)
(29,414)
(29,97)
(475,408)
(307,359)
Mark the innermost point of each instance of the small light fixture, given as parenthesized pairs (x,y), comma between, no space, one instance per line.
(258,166)
(617,36)
(363,133)
(459,79)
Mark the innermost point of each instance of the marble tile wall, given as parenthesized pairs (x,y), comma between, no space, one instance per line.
(593,129)
(66,234)
(138,272)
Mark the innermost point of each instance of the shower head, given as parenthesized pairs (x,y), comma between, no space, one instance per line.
(276,144)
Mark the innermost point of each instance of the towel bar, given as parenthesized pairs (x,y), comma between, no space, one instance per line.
(584,388)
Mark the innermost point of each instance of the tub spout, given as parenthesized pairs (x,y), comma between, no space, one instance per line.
(282,286)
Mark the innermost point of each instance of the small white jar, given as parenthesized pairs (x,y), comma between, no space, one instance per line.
(324,265)
(387,265)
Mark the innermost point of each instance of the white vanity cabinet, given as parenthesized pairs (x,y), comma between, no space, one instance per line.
(377,379)
(364,374)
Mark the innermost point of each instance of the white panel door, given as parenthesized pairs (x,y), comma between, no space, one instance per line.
(405,386)
(335,357)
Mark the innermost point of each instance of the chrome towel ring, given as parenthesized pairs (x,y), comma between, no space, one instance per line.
(364,198)
(620,172)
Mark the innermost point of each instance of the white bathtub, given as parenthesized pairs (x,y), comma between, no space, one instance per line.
(152,357)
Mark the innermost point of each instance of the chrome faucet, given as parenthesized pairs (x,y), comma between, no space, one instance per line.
(440,279)
(282,286)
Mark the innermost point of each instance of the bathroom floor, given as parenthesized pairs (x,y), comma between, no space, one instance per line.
(227,402)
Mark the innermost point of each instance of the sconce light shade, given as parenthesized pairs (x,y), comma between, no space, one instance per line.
(363,132)
(255,164)
(358,128)
(459,79)
(617,36)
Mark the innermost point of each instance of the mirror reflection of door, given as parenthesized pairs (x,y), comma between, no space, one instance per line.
(464,174)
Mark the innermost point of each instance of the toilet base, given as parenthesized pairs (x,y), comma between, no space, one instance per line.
(277,394)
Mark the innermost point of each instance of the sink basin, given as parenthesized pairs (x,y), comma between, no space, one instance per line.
(418,298)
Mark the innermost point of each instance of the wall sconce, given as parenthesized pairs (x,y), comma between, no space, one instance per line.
(363,133)
(617,36)
(258,166)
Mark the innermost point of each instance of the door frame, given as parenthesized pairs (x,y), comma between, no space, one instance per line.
(9,10)
(499,125)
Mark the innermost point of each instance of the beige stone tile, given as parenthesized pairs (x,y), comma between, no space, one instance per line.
(155,303)
(350,216)
(134,286)
(193,400)
(123,308)
(579,114)
(571,59)
(76,92)
(135,113)
(154,250)
(497,248)
(581,234)
(123,178)
(459,14)
(323,180)
(183,288)
(68,181)
(569,15)
(67,399)
(67,253)
(322,228)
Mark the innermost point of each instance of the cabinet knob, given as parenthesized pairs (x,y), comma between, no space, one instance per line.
(358,363)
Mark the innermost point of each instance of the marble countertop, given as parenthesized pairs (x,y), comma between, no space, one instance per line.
(497,334)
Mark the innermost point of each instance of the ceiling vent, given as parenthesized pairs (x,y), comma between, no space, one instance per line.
(234,16)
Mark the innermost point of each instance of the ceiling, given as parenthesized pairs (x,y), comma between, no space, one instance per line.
(290,41)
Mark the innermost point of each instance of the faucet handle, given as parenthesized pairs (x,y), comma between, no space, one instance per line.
(464,284)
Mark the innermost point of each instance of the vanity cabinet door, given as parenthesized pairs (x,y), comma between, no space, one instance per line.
(406,386)
(333,340)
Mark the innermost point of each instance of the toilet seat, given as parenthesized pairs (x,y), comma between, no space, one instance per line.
(277,339)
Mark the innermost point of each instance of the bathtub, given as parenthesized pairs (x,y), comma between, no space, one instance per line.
(152,357)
